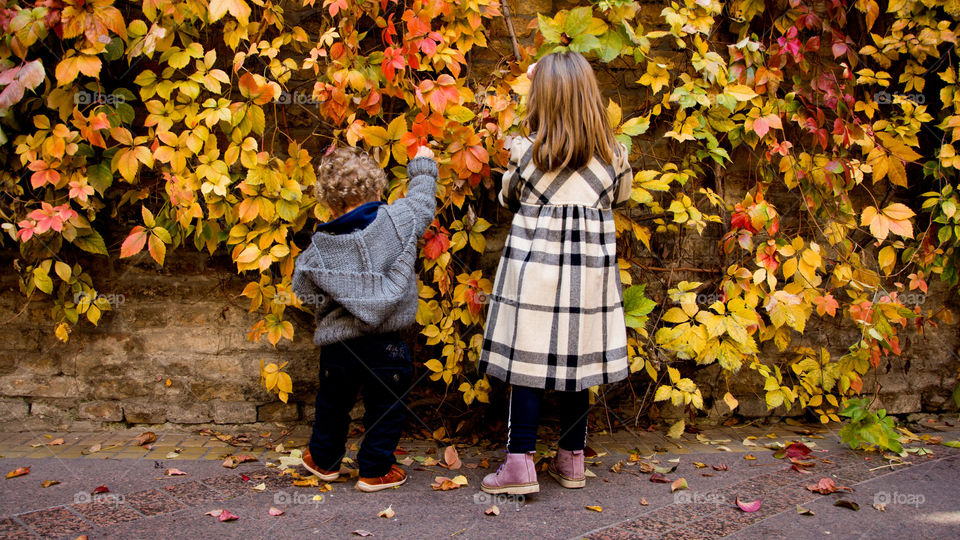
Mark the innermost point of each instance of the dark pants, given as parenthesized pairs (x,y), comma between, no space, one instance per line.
(381,366)
(525,416)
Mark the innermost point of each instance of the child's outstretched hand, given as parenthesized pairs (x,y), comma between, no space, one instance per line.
(424,151)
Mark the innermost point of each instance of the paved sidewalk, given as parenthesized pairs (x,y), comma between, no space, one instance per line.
(922,496)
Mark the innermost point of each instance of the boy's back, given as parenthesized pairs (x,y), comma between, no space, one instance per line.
(364,282)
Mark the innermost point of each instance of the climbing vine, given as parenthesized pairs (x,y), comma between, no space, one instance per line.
(133,130)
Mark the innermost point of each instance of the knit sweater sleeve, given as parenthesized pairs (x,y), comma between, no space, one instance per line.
(302,284)
(416,210)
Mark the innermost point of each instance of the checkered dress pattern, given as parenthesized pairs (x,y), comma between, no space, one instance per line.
(555,318)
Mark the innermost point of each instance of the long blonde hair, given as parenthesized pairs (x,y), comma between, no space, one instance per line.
(566,112)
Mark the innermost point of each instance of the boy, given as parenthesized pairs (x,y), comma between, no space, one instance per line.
(358,274)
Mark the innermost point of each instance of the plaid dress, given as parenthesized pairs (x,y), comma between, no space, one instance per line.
(556,319)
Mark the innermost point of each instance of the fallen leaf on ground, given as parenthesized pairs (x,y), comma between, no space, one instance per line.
(594,508)
(100,489)
(460,480)
(485,463)
(232,461)
(882,507)
(146,437)
(19,471)
(843,503)
(361,532)
(827,486)
(678,484)
(406,462)
(699,465)
(665,470)
(92,449)
(451,458)
(429,462)
(387,512)
(804,511)
(797,451)
(748,442)
(721,467)
(48,483)
(617,467)
(56,442)
(174,472)
(645,467)
(589,474)
(659,478)
(751,506)
(750,457)
(262,486)
(724,449)
(246,478)
(311,481)
(275,511)
(492,511)
(442,483)
(643,501)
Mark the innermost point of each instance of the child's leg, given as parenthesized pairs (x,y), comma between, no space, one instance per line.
(386,381)
(524,419)
(336,395)
(574,408)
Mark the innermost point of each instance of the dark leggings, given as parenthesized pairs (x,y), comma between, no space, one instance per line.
(525,417)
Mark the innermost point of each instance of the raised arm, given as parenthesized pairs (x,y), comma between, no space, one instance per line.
(419,206)
(624,176)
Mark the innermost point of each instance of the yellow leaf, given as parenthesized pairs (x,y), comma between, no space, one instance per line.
(676,430)
(887,259)
(730,401)
(594,508)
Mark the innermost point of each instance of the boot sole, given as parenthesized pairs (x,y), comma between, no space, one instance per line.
(325,477)
(566,482)
(371,488)
(515,489)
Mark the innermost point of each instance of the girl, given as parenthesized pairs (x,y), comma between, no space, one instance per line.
(556,315)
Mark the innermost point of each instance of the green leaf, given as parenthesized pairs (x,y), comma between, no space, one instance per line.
(90,241)
(578,20)
(99,177)
(42,280)
(611,44)
(549,29)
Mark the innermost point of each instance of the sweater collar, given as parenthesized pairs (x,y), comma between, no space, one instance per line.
(354,220)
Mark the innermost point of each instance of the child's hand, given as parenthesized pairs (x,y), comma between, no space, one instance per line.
(424,151)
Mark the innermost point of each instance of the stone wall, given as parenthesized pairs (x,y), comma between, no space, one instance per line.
(175,351)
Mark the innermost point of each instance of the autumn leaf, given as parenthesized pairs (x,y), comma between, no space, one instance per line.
(20,471)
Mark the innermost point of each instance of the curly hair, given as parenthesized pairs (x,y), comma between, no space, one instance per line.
(348,177)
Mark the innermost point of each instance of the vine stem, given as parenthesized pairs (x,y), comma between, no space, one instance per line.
(508,19)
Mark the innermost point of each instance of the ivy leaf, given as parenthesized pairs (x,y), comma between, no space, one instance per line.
(238,8)
(578,20)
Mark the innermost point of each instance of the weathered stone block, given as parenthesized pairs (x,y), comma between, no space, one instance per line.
(144,411)
(278,411)
(106,411)
(900,402)
(233,412)
(13,409)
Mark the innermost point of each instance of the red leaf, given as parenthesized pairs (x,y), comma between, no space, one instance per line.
(751,506)
(134,243)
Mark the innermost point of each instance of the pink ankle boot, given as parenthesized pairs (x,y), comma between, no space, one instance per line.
(517,475)
(567,468)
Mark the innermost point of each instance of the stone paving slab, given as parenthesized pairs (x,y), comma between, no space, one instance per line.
(143,503)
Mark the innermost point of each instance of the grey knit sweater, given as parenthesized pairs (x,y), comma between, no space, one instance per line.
(364,282)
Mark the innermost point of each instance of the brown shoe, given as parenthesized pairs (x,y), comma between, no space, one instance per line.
(393,478)
(326,476)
